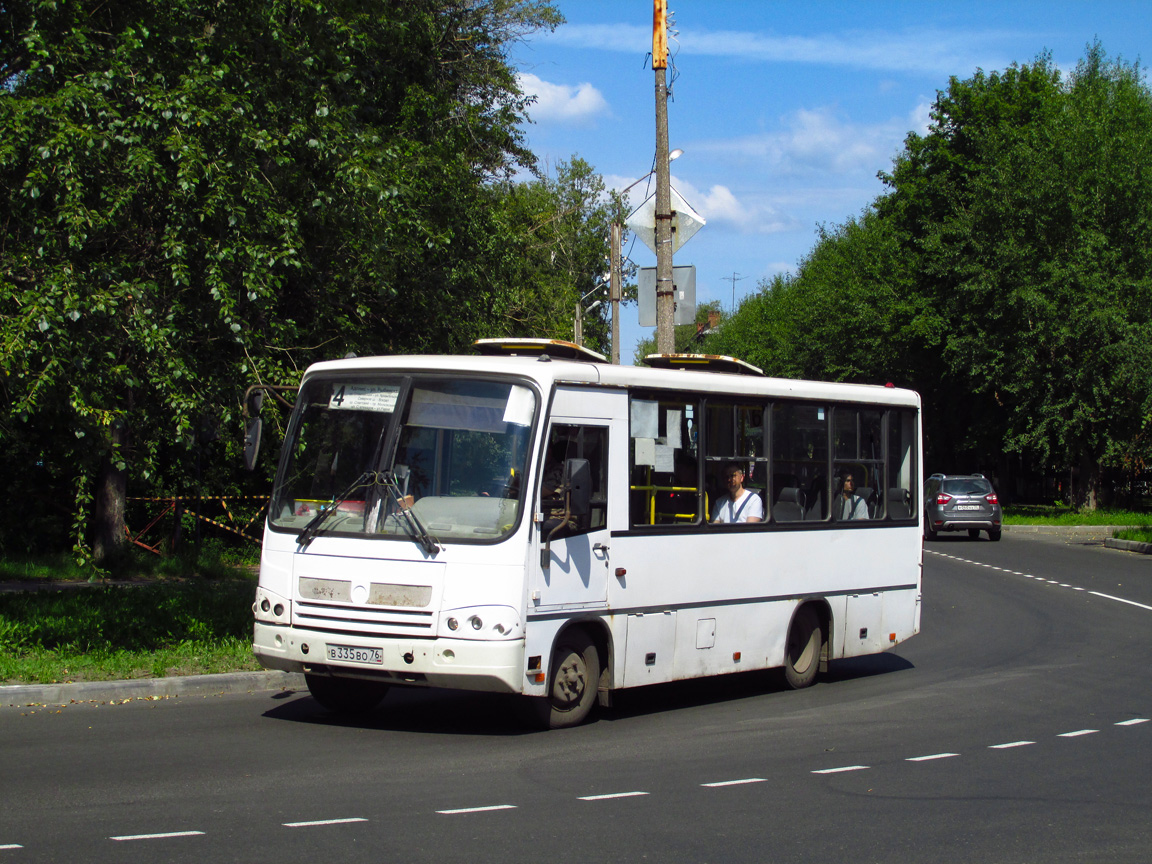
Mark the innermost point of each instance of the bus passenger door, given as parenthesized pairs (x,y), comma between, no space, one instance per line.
(574,558)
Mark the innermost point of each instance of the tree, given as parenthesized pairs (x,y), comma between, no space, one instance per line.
(558,229)
(199,195)
(1027,208)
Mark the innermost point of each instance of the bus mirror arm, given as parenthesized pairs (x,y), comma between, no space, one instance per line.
(546,552)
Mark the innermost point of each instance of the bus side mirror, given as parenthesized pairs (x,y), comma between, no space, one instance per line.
(252,442)
(578,480)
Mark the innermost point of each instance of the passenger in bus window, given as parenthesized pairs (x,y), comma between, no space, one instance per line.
(740,504)
(850,505)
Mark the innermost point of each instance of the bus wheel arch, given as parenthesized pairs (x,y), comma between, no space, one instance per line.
(577,670)
(806,647)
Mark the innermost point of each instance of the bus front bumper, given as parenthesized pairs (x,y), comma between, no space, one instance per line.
(496,667)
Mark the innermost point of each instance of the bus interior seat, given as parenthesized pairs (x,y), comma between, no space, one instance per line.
(869,496)
(899,504)
(789,505)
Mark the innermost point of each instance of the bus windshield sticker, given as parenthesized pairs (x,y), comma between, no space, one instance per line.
(673,421)
(645,419)
(645,451)
(364,397)
(518,411)
(665,458)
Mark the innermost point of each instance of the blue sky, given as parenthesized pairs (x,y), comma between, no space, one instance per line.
(785,111)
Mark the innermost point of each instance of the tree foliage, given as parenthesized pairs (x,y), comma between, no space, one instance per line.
(1005,274)
(196,196)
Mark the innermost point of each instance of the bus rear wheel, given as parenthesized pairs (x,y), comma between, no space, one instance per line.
(345,695)
(573,683)
(802,653)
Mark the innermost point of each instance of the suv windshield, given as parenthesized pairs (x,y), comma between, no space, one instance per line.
(390,455)
(967,486)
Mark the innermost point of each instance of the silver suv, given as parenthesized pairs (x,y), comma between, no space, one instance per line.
(961,502)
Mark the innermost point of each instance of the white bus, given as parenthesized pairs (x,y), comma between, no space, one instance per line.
(415,537)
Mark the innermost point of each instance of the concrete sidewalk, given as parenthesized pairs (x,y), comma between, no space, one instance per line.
(41,695)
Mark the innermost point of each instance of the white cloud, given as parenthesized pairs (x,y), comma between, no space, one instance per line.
(818,140)
(921,50)
(561,103)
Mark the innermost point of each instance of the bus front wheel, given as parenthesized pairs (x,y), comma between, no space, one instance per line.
(573,682)
(802,653)
(345,695)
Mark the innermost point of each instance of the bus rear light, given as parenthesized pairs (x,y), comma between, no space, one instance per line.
(540,678)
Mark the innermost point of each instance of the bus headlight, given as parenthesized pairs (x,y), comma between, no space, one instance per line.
(270,608)
(484,622)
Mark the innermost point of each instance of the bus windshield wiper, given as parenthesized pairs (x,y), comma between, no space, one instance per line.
(309,532)
(415,526)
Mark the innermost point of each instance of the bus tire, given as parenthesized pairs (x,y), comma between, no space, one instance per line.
(802,652)
(345,695)
(572,683)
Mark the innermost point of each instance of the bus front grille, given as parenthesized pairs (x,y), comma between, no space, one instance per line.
(368,620)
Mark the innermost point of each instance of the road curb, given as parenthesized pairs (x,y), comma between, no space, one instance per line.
(1065,530)
(1129,545)
(23,695)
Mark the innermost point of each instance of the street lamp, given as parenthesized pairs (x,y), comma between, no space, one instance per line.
(578,329)
(615,280)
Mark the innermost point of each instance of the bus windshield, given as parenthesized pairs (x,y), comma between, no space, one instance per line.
(402,456)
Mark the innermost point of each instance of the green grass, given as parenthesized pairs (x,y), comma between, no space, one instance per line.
(1027,514)
(85,633)
(1140,535)
(216,561)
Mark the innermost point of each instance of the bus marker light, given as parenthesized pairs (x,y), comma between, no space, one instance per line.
(735,656)
(891,637)
(540,678)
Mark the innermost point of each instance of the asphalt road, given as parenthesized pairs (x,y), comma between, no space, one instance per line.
(1014,728)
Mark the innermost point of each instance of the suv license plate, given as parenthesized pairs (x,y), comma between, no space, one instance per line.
(969,507)
(354,654)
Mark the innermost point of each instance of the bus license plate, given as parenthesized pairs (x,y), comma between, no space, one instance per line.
(354,654)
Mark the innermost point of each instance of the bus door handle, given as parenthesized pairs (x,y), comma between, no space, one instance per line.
(600,547)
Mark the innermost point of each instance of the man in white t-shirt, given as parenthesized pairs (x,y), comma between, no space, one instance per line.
(740,504)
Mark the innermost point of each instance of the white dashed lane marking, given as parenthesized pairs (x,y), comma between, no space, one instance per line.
(165,836)
(1077,733)
(930,758)
(478,809)
(842,770)
(611,795)
(1009,745)
(319,822)
(1038,579)
(733,782)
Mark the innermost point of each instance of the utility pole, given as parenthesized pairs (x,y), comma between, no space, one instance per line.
(614,291)
(734,278)
(665,301)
